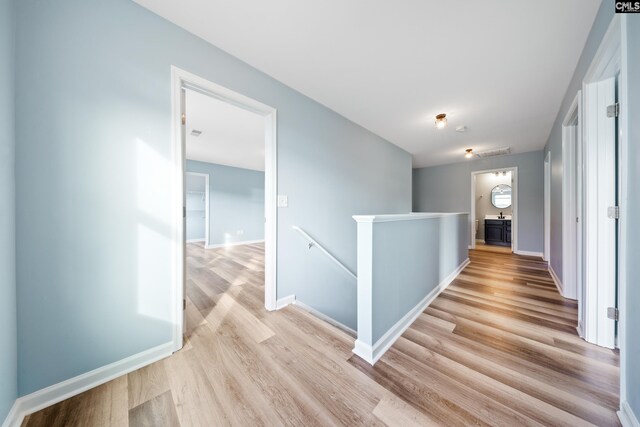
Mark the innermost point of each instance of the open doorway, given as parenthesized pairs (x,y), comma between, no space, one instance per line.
(230,141)
(197,220)
(494,210)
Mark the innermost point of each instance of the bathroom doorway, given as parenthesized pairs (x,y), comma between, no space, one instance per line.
(494,210)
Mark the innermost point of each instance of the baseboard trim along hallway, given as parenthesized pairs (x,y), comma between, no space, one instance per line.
(556,280)
(373,353)
(627,417)
(58,392)
(226,245)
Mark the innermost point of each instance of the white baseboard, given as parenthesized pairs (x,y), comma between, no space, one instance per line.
(580,330)
(626,415)
(14,418)
(283,302)
(324,317)
(225,245)
(373,353)
(556,280)
(51,395)
(529,253)
(195,240)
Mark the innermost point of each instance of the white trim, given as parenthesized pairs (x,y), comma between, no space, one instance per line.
(181,79)
(556,279)
(529,253)
(514,204)
(324,317)
(580,329)
(226,245)
(58,392)
(623,147)
(547,208)
(371,354)
(599,192)
(178,202)
(626,415)
(283,302)
(404,217)
(207,207)
(571,137)
(14,417)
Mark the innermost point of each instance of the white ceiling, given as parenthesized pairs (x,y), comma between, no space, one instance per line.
(230,135)
(500,67)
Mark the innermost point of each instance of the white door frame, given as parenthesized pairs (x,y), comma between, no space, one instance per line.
(571,139)
(611,60)
(547,209)
(180,80)
(514,203)
(598,185)
(206,204)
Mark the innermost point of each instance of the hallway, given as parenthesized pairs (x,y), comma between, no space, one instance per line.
(498,347)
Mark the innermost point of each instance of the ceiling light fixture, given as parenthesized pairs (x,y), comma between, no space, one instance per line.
(441,121)
(469,153)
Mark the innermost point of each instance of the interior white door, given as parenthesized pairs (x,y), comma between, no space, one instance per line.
(601,227)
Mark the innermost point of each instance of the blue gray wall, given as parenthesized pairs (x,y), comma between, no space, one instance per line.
(236,202)
(632,314)
(447,188)
(93,169)
(8,337)
(331,170)
(410,259)
(554,143)
(195,202)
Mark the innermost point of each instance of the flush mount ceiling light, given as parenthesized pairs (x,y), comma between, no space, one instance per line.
(441,121)
(469,153)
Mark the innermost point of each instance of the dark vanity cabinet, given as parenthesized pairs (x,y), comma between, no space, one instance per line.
(497,232)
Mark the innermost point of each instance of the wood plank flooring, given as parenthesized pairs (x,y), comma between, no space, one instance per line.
(498,347)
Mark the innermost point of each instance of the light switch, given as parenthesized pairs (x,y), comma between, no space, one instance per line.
(283,201)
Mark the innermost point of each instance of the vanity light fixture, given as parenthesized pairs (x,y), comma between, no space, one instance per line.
(469,153)
(441,121)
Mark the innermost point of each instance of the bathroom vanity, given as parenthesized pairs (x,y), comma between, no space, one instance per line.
(497,231)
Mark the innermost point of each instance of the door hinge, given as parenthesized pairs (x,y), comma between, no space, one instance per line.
(184,304)
(613,313)
(613,212)
(184,212)
(613,110)
(184,118)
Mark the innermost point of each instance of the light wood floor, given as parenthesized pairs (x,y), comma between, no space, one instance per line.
(498,347)
(481,246)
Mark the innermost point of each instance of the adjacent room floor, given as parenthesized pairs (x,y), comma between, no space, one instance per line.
(498,347)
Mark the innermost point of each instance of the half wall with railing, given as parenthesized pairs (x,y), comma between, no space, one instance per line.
(404,262)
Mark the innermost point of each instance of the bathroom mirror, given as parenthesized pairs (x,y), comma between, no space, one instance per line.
(501,196)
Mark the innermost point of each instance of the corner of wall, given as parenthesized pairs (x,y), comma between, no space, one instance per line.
(8,305)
